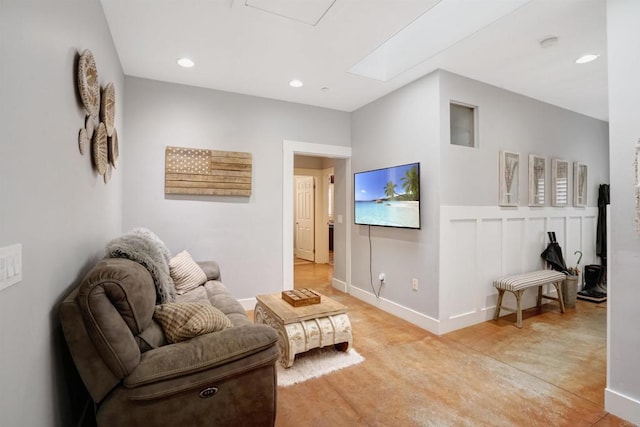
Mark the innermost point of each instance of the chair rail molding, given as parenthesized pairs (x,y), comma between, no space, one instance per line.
(481,243)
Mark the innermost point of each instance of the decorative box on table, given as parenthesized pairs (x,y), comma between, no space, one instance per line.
(301,297)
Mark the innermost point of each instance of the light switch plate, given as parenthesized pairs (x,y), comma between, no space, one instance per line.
(10,265)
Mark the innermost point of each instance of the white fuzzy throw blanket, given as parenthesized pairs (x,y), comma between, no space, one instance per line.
(144,247)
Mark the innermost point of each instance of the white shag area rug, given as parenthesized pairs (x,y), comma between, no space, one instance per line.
(315,363)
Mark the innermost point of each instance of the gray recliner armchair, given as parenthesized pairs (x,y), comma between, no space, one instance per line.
(136,378)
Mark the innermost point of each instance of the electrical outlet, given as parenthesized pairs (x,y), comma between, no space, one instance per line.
(414,284)
(381,277)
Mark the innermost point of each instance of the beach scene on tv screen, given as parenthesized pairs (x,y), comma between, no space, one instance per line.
(388,197)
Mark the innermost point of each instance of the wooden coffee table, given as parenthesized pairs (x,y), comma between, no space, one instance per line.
(302,328)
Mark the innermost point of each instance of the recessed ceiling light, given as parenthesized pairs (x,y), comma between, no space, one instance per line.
(587,58)
(295,83)
(324,89)
(186,62)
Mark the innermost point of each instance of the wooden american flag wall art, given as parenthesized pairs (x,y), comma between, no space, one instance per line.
(207,172)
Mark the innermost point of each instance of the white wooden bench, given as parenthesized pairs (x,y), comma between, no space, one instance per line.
(519,282)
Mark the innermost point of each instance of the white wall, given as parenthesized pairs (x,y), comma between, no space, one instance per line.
(307,162)
(622,396)
(492,241)
(51,200)
(462,223)
(244,234)
(342,190)
(508,121)
(401,128)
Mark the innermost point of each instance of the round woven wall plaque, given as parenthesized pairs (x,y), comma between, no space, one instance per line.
(114,150)
(89,125)
(108,107)
(88,84)
(83,141)
(107,174)
(100,149)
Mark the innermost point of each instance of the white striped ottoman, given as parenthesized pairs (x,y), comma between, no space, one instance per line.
(519,282)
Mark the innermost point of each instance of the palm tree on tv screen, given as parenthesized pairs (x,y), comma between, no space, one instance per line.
(390,189)
(411,182)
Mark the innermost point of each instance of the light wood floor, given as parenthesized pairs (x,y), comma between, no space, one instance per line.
(549,373)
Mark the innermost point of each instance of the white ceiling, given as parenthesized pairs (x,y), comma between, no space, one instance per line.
(256,47)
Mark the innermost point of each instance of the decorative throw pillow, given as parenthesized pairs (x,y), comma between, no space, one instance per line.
(184,320)
(186,274)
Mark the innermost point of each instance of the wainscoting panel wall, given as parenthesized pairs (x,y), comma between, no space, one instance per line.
(465,234)
(482,243)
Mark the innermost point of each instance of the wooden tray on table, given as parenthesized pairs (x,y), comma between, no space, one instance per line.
(301,297)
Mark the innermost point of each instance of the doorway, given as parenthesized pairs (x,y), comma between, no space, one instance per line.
(313,222)
(342,207)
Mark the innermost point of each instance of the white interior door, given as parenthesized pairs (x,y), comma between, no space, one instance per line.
(304,217)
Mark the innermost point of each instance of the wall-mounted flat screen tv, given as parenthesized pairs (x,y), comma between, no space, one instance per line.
(388,197)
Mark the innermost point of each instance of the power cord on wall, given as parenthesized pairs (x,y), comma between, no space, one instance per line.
(377,294)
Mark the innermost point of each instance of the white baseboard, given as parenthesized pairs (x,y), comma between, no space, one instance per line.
(622,406)
(467,319)
(339,284)
(248,303)
(425,322)
(464,320)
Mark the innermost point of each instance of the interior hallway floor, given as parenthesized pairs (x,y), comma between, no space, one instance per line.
(549,373)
